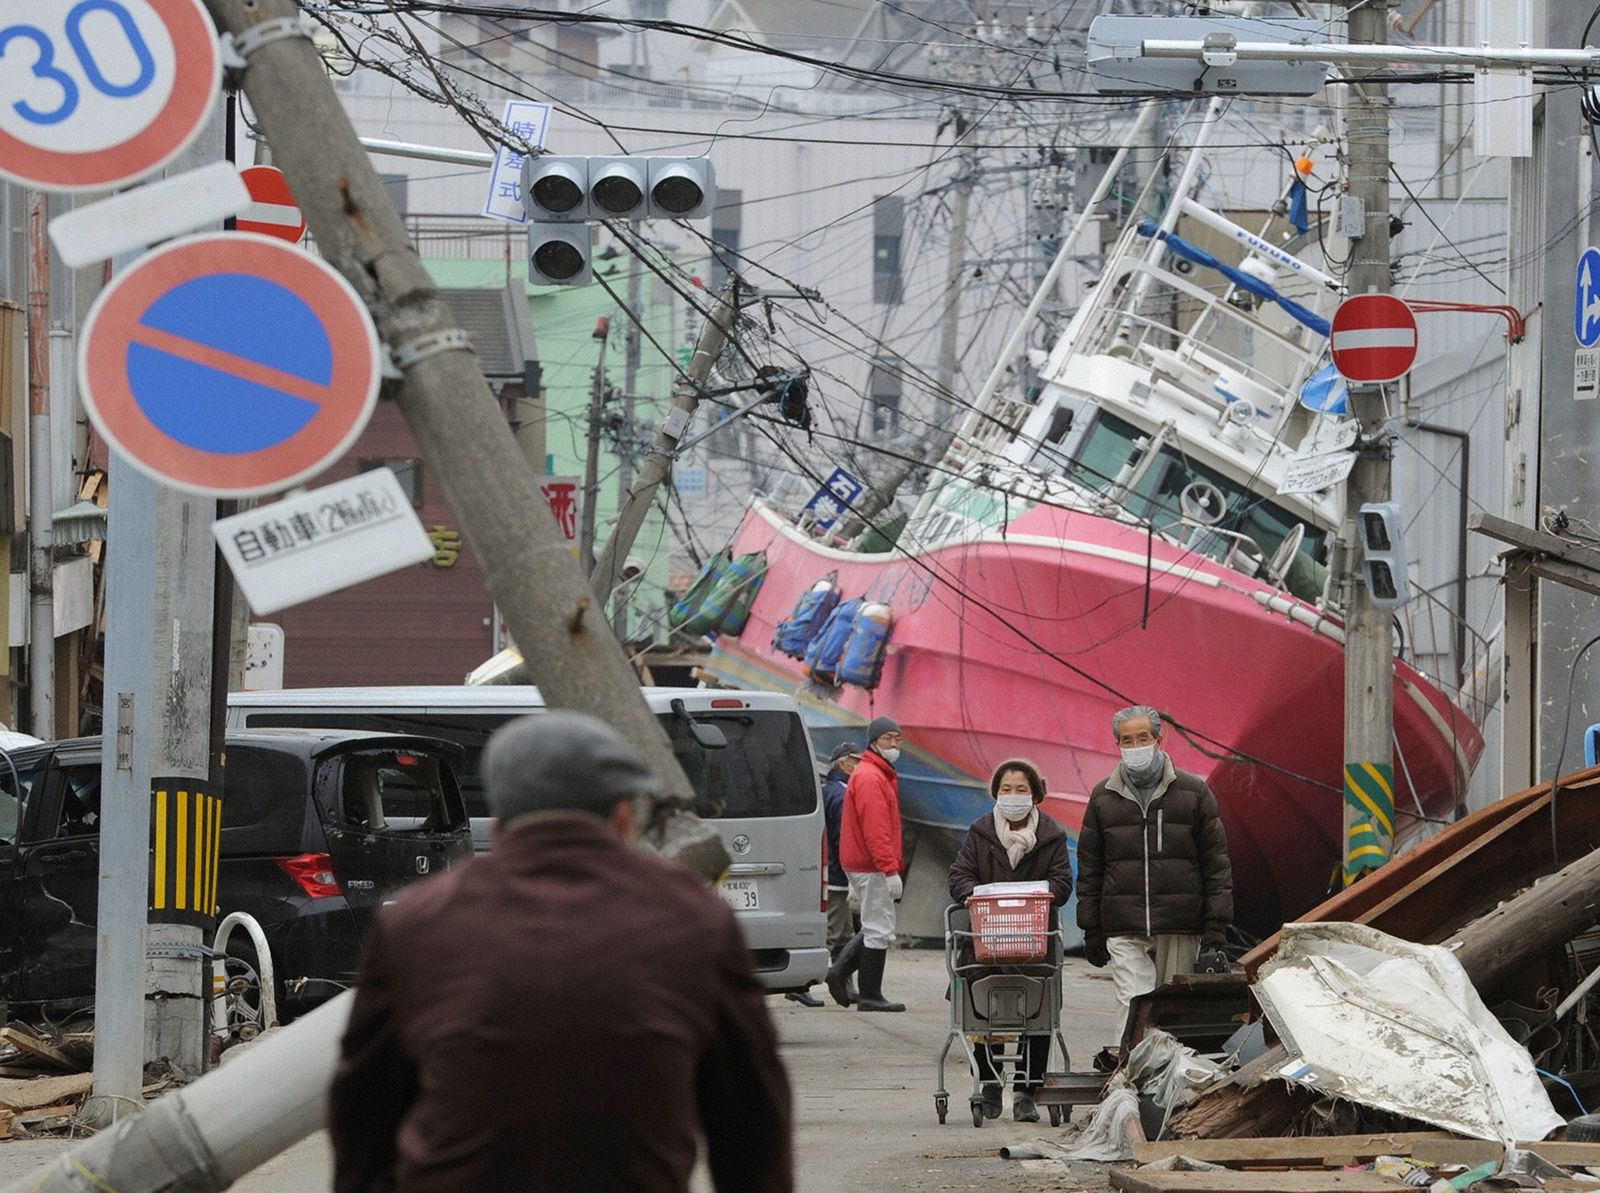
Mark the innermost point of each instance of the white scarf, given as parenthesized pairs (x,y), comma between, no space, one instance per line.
(1017,842)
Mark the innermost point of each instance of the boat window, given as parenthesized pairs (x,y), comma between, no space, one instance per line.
(1109,445)
(1106,448)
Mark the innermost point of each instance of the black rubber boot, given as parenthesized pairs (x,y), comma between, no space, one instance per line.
(842,970)
(1022,1108)
(805,998)
(871,967)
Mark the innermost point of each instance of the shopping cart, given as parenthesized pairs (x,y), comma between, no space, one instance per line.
(1001,1007)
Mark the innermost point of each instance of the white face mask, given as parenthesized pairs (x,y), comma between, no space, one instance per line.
(1138,758)
(891,756)
(1014,807)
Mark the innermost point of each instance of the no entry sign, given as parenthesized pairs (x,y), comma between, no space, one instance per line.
(272,210)
(1374,338)
(96,93)
(229,364)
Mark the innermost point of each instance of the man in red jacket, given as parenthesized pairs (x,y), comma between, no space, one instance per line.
(869,849)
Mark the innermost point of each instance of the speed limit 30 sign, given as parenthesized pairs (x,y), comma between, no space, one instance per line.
(97,93)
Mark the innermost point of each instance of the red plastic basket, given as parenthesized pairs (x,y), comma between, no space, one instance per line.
(1010,929)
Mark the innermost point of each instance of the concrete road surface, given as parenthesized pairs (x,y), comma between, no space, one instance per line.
(863,1091)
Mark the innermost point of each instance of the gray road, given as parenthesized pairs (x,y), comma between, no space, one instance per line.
(863,1088)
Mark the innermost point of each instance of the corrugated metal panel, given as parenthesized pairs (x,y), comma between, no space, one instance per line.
(483,317)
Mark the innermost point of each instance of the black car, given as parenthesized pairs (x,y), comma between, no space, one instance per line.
(318,829)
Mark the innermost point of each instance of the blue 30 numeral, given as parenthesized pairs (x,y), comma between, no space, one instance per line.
(44,66)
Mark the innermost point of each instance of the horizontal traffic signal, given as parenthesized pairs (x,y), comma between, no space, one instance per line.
(572,189)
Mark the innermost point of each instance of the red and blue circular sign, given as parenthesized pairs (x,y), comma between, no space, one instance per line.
(229,364)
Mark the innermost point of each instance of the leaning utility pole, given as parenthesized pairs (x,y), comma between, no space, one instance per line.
(1369,638)
(591,463)
(527,566)
(657,464)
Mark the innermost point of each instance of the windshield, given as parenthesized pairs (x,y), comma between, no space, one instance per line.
(1110,444)
(765,770)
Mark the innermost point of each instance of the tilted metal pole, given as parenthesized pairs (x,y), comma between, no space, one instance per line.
(41,507)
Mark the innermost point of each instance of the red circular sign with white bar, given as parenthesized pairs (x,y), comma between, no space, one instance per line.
(272,210)
(1374,338)
(98,93)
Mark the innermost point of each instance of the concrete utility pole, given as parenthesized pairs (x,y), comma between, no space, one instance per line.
(591,463)
(41,501)
(549,609)
(955,276)
(657,464)
(1369,640)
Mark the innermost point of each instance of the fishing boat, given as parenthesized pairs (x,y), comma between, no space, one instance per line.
(1147,529)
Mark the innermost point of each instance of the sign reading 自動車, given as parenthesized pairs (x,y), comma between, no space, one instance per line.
(98,93)
(315,543)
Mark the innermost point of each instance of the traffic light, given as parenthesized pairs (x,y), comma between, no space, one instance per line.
(1383,554)
(561,194)
(560,254)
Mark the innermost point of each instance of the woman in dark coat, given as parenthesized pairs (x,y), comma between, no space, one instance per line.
(1013,843)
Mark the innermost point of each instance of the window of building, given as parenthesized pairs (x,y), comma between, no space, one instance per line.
(883,389)
(726,219)
(407,471)
(888,228)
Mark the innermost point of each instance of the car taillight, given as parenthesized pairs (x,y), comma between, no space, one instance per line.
(314,873)
(824,868)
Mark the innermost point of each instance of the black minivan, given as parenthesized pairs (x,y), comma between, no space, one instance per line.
(318,829)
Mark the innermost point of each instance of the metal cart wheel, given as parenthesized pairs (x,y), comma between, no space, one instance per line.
(1055,1116)
(941,1106)
(977,1113)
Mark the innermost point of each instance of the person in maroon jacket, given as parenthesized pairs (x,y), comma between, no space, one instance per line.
(870,851)
(565,1014)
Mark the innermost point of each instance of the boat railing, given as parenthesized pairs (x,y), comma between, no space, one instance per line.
(1427,618)
(1121,330)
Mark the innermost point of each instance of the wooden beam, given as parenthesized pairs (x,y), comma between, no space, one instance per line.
(1535,542)
(1300,1150)
(1472,1152)
(1132,1180)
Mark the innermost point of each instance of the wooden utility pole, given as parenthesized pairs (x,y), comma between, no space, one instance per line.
(657,464)
(591,463)
(1369,640)
(527,566)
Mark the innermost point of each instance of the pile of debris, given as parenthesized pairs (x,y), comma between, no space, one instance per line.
(1429,1027)
(44,1079)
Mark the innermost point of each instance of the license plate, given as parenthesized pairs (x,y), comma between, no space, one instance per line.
(740,894)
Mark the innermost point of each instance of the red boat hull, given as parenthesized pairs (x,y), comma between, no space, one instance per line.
(1026,643)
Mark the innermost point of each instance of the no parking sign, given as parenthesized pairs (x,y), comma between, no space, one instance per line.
(229,364)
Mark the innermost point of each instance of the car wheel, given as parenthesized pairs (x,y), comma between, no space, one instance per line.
(1584,1129)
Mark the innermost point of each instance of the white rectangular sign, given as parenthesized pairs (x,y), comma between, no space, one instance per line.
(528,121)
(1316,473)
(315,543)
(1586,374)
(142,216)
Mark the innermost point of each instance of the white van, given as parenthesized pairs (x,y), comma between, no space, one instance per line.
(747,754)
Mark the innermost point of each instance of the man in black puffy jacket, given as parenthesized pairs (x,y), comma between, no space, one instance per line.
(1154,884)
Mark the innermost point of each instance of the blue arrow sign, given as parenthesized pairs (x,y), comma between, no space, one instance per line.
(1586,300)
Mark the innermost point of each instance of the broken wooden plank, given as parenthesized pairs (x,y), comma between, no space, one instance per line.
(44,1091)
(36,1048)
(1302,1150)
(1472,1152)
(30,1117)
(1131,1180)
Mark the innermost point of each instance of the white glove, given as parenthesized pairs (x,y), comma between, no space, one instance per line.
(896,886)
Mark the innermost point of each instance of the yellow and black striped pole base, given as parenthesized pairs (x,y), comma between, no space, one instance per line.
(185,840)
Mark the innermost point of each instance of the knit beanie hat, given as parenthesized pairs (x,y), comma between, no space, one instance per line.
(880,726)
